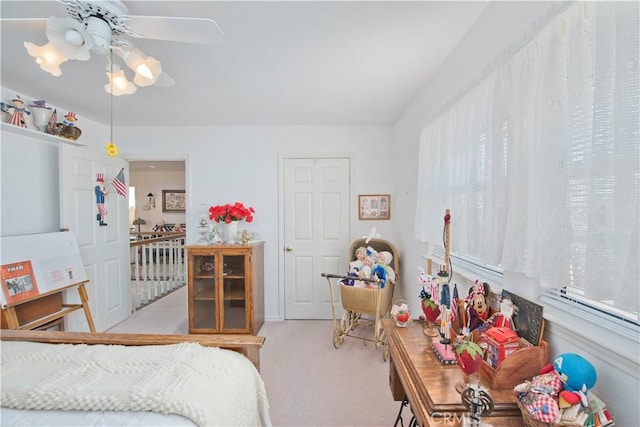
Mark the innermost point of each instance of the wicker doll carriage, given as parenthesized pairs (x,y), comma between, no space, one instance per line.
(358,301)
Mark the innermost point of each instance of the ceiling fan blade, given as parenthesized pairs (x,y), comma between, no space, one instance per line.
(185,30)
(24,24)
(164,80)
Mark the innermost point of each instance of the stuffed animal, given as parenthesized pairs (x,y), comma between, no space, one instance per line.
(559,385)
(353,274)
(577,374)
(476,305)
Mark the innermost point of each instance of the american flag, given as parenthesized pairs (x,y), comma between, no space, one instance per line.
(118,183)
(455,303)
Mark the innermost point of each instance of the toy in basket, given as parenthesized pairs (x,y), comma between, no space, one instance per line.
(560,395)
(367,289)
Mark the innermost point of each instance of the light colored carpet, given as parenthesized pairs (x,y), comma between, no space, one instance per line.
(308,381)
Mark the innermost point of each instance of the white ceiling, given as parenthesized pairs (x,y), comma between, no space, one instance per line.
(282,63)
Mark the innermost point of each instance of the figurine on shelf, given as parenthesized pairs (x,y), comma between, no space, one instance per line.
(504,318)
(52,126)
(67,129)
(16,112)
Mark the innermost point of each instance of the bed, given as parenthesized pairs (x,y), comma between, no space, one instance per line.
(76,378)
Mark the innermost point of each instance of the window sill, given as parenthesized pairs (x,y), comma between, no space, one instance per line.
(617,345)
(606,339)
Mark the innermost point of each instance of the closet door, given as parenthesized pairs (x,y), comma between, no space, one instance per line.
(316,232)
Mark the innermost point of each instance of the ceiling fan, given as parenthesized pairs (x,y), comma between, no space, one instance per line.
(100,27)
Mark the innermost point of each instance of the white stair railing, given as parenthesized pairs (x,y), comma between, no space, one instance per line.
(158,266)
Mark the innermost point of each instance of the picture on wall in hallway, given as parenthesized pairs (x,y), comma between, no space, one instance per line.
(173,201)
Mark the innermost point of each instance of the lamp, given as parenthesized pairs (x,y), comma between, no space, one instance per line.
(47,57)
(152,200)
(70,38)
(139,221)
(147,68)
(118,83)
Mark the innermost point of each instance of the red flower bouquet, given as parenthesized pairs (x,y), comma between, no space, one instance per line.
(228,213)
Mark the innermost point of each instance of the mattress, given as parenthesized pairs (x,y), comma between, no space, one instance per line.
(179,384)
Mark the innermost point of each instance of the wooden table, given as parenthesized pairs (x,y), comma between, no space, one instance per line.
(415,373)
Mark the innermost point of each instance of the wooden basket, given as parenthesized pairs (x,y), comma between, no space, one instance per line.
(529,421)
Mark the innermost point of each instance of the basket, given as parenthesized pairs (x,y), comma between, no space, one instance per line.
(365,300)
(529,421)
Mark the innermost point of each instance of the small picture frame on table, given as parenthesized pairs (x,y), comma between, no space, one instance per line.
(374,206)
(173,201)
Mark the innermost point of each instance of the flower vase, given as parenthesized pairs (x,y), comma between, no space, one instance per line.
(232,232)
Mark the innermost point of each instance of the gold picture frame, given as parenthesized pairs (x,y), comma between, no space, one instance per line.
(374,206)
(174,201)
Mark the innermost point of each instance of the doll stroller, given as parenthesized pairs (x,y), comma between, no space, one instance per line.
(356,301)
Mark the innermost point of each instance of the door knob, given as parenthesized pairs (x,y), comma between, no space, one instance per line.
(289,249)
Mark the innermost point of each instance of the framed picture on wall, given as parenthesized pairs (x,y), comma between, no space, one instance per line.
(374,206)
(173,201)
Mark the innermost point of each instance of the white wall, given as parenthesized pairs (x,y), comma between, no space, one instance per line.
(490,41)
(29,172)
(240,164)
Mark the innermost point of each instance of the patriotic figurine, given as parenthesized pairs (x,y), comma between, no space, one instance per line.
(16,112)
(101,191)
(52,127)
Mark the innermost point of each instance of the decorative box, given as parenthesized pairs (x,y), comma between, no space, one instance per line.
(501,342)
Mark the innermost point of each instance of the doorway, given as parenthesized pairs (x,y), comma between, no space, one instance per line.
(150,179)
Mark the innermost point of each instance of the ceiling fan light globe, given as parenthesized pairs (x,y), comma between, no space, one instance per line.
(144,71)
(121,86)
(47,57)
(69,37)
(73,37)
(147,72)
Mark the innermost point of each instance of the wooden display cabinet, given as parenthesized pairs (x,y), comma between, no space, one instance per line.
(226,288)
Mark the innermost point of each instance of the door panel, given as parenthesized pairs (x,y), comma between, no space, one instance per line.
(316,218)
(104,249)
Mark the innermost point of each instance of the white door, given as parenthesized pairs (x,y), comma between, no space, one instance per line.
(316,232)
(104,249)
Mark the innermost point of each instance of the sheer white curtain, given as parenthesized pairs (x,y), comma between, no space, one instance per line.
(540,162)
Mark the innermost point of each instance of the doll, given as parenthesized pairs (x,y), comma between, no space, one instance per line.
(476,305)
(384,259)
(358,263)
(16,112)
(504,318)
(101,192)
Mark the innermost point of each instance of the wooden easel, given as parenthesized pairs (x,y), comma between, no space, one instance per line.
(46,309)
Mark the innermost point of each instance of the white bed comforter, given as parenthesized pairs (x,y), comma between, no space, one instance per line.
(210,386)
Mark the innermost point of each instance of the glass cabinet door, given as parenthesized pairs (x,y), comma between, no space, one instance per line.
(234,307)
(204,291)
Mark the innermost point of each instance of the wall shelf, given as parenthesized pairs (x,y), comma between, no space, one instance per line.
(37,134)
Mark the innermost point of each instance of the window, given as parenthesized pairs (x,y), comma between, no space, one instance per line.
(540,163)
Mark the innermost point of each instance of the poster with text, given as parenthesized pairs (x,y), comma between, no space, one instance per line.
(18,282)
